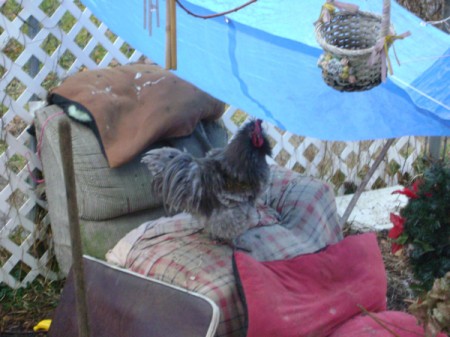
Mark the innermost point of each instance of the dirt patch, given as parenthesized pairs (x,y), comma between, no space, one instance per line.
(399,277)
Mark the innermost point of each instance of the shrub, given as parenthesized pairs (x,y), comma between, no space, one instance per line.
(422,230)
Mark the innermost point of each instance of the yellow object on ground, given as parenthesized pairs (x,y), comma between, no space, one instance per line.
(43,325)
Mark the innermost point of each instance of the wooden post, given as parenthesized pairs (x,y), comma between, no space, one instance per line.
(171,35)
(435,148)
(65,146)
(364,182)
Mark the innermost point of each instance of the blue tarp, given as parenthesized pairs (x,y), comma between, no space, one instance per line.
(263,60)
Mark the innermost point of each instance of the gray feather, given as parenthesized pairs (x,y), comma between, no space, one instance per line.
(156,161)
(220,189)
(229,223)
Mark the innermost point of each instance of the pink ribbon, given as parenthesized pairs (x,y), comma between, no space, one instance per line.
(380,52)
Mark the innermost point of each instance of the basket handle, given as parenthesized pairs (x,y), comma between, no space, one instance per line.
(386,18)
(380,48)
(386,39)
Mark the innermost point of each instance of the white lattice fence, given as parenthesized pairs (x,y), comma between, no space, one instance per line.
(43,41)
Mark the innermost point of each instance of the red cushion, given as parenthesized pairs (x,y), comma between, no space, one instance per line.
(310,295)
(401,323)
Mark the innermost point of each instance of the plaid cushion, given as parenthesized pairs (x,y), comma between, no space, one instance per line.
(297,216)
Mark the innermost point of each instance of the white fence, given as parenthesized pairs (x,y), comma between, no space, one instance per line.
(43,41)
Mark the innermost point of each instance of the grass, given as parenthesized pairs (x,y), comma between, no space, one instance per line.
(23,308)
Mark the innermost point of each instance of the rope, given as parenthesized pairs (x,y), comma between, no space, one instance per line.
(41,134)
(213,15)
(384,324)
(419,59)
(421,93)
(437,22)
(39,146)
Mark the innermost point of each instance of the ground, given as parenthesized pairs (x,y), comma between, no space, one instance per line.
(21,309)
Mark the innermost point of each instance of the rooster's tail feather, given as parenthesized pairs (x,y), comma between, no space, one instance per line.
(156,161)
(181,186)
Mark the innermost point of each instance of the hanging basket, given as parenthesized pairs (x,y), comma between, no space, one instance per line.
(349,40)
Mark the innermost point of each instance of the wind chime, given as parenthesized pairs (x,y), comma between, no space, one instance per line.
(171,28)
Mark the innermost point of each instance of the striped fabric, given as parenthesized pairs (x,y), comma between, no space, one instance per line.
(297,216)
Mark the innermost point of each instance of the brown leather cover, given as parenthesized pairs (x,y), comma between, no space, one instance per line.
(123,304)
(135,105)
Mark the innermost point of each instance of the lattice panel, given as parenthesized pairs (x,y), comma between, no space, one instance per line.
(42,42)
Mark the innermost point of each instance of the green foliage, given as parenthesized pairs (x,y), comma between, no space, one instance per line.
(127,50)
(67,22)
(79,5)
(22,298)
(27,306)
(49,6)
(50,44)
(427,226)
(10,9)
(16,163)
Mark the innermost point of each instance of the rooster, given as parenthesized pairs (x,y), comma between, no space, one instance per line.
(220,189)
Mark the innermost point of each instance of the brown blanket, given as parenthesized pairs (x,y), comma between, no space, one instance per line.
(131,107)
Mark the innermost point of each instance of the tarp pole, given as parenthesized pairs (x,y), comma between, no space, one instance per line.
(365,181)
(65,145)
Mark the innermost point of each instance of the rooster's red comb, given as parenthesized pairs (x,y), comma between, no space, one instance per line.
(257,138)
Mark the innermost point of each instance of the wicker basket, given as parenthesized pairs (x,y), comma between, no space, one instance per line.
(348,41)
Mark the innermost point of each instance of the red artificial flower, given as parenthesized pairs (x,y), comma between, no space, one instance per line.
(412,192)
(398,223)
(408,192)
